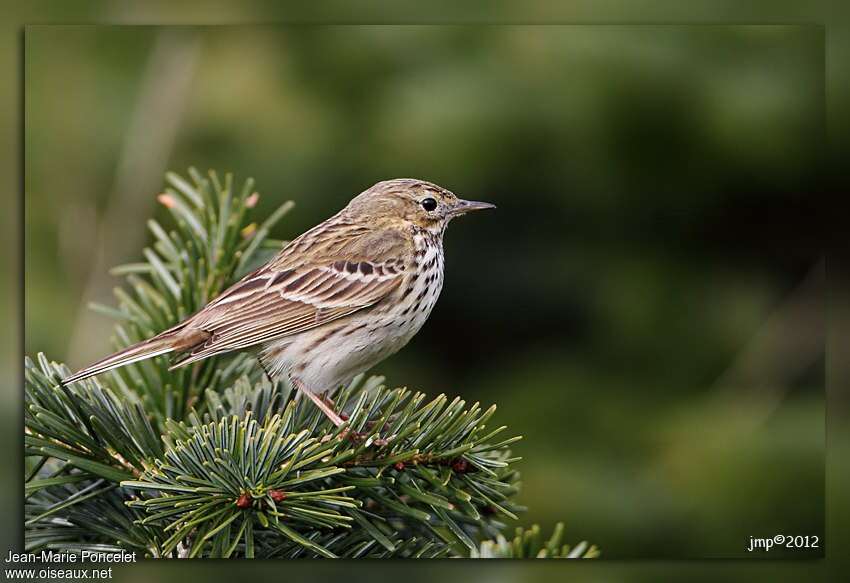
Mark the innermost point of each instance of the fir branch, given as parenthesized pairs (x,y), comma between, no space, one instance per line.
(86,515)
(211,245)
(85,424)
(529,543)
(368,474)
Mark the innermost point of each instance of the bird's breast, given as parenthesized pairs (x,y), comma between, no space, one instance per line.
(419,291)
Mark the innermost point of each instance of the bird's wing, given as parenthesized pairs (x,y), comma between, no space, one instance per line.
(339,273)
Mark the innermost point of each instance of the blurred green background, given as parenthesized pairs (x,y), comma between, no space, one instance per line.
(645,307)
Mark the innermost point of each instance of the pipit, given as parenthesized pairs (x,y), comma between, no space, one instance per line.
(333,302)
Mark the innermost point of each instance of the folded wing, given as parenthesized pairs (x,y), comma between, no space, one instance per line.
(292,295)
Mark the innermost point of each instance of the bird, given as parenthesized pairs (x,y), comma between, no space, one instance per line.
(333,302)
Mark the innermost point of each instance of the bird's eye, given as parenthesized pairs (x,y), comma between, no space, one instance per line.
(428,204)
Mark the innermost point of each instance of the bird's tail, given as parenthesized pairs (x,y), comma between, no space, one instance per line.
(163,343)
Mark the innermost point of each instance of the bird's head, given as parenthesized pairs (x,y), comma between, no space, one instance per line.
(406,201)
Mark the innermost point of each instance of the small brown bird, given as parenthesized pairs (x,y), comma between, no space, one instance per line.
(334,302)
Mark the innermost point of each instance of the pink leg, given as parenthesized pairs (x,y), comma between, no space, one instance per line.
(320,403)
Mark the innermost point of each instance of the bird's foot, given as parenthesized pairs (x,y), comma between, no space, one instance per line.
(353,436)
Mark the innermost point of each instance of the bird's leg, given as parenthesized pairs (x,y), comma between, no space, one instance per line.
(320,403)
(326,397)
(327,400)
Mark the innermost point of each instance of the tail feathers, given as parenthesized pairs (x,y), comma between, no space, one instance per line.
(143,350)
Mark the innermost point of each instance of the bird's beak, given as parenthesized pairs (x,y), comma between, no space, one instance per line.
(462,207)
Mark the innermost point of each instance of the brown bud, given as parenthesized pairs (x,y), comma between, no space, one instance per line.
(353,436)
(277,495)
(399,466)
(244,501)
(166,200)
(460,465)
